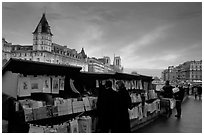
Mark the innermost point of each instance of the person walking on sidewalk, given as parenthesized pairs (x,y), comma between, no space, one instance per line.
(168,93)
(199,92)
(195,91)
(178,96)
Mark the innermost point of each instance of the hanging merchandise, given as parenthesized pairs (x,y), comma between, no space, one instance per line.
(135,83)
(74,128)
(36,84)
(129,85)
(145,85)
(24,87)
(138,84)
(141,87)
(85,124)
(97,84)
(73,88)
(46,85)
(61,83)
(55,85)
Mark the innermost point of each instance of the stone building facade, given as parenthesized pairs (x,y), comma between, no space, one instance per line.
(44,50)
(190,71)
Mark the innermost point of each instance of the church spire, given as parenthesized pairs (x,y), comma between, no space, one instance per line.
(43,26)
(42,36)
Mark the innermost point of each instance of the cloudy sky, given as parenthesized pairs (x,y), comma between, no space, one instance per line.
(148,37)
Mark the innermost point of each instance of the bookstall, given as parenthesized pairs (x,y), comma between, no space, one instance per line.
(146,105)
(51,97)
(58,98)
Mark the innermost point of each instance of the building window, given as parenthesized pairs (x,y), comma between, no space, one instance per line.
(38,59)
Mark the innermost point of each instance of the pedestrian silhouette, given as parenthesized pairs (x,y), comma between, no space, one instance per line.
(178,96)
(168,93)
(106,108)
(124,102)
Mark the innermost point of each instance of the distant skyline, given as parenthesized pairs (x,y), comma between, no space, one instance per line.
(148,36)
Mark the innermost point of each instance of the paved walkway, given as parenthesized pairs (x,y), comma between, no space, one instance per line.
(190,122)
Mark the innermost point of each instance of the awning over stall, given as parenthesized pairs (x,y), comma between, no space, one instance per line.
(38,68)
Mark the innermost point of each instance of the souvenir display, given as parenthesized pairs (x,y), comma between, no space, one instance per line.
(55,85)
(93,101)
(69,106)
(61,83)
(24,87)
(86,104)
(36,84)
(78,106)
(28,112)
(46,85)
(62,128)
(74,128)
(85,124)
(62,107)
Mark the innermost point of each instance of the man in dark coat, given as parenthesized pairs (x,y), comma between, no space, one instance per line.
(178,96)
(124,102)
(106,108)
(168,93)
